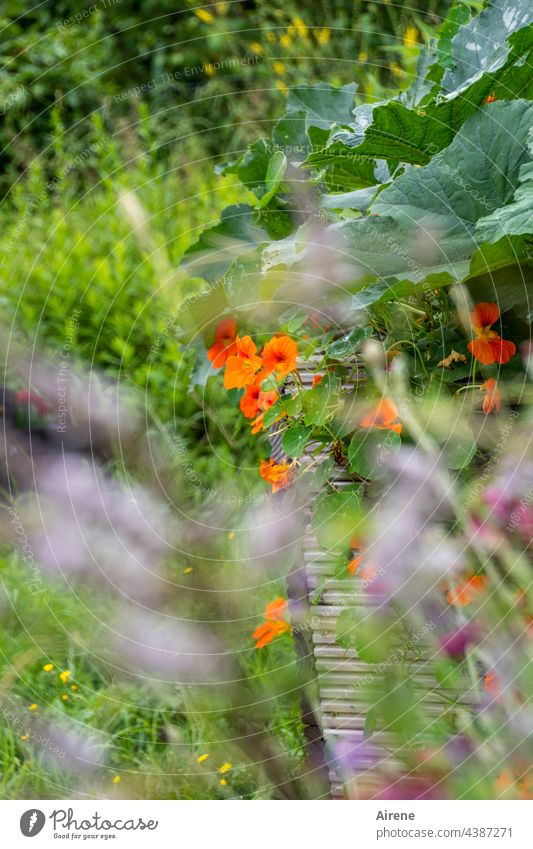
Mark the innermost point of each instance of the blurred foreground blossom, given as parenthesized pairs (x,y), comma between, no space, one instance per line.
(165,649)
(82,523)
(411,544)
(74,750)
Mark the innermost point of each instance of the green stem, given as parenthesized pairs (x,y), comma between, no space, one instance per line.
(417,349)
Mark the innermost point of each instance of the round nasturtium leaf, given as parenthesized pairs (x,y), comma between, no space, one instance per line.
(369,449)
(295,439)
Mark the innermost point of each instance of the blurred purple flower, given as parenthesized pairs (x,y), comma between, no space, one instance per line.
(72,750)
(349,757)
(410,545)
(82,523)
(455,643)
(169,650)
(459,749)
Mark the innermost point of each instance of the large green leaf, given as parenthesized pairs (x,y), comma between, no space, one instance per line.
(235,234)
(323,104)
(422,233)
(479,172)
(427,217)
(516,218)
(481,45)
(490,54)
(341,168)
(397,132)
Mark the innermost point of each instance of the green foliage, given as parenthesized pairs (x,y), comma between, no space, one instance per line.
(412,229)
(226,66)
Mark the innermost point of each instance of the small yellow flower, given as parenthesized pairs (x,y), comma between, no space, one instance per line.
(210,70)
(188,570)
(204,15)
(280,85)
(270,37)
(65,675)
(256,47)
(231,535)
(225,767)
(322,35)
(116,779)
(33,706)
(74,687)
(363,56)
(301,27)
(48,667)
(64,697)
(223,782)
(222,8)
(396,69)
(410,37)
(24,736)
(279,68)
(285,40)
(201,758)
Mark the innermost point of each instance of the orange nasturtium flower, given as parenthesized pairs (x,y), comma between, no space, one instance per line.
(267,400)
(493,399)
(276,609)
(488,346)
(467,591)
(242,367)
(490,98)
(254,404)
(224,344)
(279,355)
(316,379)
(274,623)
(277,474)
(250,402)
(383,416)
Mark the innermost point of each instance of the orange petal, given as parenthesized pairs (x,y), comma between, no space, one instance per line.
(226,329)
(240,371)
(482,350)
(484,314)
(250,404)
(219,352)
(503,350)
(382,416)
(492,399)
(257,424)
(246,346)
(279,355)
(354,564)
(276,609)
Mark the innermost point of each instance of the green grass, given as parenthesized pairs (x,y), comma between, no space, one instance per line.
(78,257)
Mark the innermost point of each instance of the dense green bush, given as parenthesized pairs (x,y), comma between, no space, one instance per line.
(186,65)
